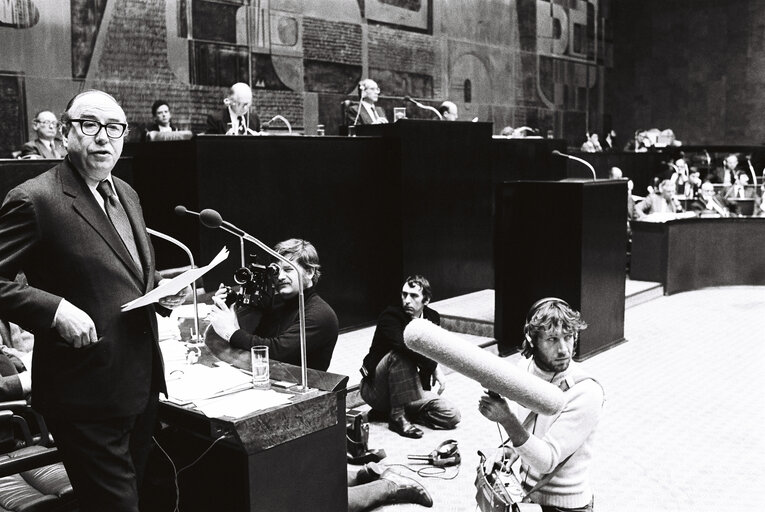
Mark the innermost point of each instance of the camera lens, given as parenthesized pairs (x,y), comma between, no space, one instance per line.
(243,275)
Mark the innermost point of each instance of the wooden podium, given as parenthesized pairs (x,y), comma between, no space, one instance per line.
(280,459)
(561,239)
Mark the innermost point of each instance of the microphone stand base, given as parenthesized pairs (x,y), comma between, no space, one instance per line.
(303,392)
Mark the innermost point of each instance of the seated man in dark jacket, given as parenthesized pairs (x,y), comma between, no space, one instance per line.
(397,381)
(279,325)
(15,380)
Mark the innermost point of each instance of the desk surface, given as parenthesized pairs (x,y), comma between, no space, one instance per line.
(266,428)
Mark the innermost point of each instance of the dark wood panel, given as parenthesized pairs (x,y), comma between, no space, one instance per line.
(690,254)
(561,239)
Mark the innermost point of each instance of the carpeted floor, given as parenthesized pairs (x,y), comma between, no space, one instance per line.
(683,416)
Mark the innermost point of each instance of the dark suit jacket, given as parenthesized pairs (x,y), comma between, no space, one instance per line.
(52,228)
(38,147)
(364,117)
(389,335)
(220,122)
(749,193)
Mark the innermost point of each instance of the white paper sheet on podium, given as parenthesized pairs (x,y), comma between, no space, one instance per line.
(175,284)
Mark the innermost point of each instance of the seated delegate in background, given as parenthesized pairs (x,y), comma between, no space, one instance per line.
(236,118)
(740,189)
(592,144)
(661,202)
(160,110)
(448,111)
(15,360)
(15,381)
(366,111)
(609,141)
(47,144)
(710,202)
(279,325)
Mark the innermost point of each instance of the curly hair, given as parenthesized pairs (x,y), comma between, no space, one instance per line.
(551,316)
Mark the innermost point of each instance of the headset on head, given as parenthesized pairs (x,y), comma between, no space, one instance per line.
(534,308)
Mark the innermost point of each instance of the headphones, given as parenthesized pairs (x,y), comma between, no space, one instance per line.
(534,308)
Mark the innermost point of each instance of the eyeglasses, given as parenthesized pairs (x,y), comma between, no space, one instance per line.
(46,123)
(91,128)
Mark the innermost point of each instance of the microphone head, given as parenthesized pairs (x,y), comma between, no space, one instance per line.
(181,210)
(556,152)
(210,218)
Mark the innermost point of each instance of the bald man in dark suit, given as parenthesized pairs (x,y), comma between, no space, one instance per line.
(78,234)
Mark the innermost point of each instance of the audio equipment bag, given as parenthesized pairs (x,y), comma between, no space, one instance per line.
(500,491)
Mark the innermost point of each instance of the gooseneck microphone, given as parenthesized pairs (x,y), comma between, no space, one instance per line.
(577,159)
(181,210)
(195,339)
(212,219)
(424,107)
(281,118)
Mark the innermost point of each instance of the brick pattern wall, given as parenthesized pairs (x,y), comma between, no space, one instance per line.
(134,66)
(401,51)
(331,41)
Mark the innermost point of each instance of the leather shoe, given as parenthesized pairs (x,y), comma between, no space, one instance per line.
(369,472)
(406,490)
(403,428)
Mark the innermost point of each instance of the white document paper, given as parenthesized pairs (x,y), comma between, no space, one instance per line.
(199,382)
(176,284)
(239,405)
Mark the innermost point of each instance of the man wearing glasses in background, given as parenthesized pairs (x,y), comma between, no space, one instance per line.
(47,144)
(236,118)
(78,234)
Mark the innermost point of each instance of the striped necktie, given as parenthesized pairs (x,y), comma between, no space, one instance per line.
(119,219)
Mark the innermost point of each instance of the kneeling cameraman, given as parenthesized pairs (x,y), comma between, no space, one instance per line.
(279,326)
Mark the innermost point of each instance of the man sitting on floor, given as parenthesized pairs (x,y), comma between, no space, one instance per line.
(397,381)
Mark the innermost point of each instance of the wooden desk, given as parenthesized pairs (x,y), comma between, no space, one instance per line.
(689,254)
(286,458)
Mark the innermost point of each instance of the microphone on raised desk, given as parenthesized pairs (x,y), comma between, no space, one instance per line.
(277,117)
(577,159)
(424,107)
(212,219)
(196,337)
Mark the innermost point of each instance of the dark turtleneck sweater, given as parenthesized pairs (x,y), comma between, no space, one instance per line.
(279,330)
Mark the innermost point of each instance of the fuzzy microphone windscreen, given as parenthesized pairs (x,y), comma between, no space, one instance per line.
(492,372)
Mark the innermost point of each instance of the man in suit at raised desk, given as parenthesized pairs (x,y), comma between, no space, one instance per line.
(78,234)
(236,118)
(369,113)
(46,144)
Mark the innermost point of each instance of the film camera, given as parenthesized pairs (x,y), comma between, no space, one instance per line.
(257,285)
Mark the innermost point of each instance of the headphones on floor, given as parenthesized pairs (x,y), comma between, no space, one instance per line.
(533,311)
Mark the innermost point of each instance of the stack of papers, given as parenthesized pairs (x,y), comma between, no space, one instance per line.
(199,382)
(239,405)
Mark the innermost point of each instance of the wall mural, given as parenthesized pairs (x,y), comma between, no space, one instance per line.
(549,71)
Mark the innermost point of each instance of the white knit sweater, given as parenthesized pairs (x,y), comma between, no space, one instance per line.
(553,438)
